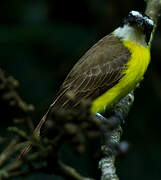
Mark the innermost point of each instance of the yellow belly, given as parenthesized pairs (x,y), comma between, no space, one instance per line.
(133,74)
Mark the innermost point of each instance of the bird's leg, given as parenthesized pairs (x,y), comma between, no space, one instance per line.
(117,114)
(108,127)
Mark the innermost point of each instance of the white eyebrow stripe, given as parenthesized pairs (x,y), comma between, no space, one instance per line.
(136,13)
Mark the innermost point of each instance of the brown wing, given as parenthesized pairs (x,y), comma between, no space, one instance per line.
(96,72)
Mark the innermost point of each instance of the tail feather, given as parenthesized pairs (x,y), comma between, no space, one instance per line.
(36,134)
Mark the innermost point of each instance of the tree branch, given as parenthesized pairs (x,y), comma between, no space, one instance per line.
(153,10)
(112,138)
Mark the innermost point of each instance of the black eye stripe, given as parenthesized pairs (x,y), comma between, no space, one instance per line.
(138,19)
(141,16)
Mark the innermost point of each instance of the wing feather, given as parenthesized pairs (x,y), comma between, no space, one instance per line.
(96,72)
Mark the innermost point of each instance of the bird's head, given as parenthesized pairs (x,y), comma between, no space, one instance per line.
(139,21)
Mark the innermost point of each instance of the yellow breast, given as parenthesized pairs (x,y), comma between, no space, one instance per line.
(133,74)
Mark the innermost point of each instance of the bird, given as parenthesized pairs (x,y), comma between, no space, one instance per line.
(109,70)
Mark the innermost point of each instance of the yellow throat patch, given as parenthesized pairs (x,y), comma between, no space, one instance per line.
(133,74)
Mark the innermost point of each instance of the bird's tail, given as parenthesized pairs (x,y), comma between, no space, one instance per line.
(36,134)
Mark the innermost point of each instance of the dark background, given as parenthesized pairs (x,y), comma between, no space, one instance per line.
(41,40)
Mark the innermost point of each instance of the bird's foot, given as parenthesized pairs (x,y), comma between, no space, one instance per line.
(117,115)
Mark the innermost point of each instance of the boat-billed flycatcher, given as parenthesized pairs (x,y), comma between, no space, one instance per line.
(110,69)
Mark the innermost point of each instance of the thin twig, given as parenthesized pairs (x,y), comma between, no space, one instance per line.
(9,150)
(71,172)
